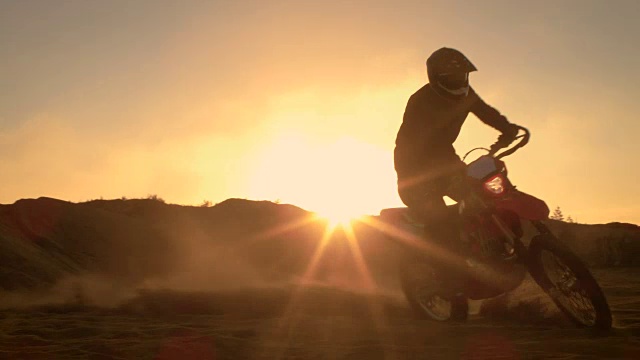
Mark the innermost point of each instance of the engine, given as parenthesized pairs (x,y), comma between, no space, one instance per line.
(487,236)
(493,268)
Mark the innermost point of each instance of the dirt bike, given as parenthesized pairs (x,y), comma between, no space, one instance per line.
(492,218)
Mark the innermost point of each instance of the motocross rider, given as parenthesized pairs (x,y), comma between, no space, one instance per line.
(425,160)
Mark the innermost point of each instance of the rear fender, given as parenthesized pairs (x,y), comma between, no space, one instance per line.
(526,206)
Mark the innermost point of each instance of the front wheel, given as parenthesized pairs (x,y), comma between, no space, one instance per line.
(569,283)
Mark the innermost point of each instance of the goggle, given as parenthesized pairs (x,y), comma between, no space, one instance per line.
(454,81)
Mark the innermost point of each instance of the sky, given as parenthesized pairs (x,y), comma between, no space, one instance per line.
(300,101)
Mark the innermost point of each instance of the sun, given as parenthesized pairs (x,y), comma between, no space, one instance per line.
(339,180)
(338,218)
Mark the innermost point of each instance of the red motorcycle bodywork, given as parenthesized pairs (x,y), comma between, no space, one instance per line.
(524,205)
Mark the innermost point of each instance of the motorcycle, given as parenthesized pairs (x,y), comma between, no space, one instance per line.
(492,219)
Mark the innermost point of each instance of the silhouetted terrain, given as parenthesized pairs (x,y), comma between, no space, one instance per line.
(234,243)
(144,279)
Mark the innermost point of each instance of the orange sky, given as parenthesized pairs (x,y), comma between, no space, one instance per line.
(301,101)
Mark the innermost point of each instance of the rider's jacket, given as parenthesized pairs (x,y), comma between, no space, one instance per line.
(430,126)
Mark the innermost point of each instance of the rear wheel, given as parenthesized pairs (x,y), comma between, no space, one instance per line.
(569,283)
(421,291)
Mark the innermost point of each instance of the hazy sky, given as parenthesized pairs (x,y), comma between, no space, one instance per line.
(301,100)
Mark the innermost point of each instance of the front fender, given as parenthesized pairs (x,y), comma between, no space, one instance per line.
(526,206)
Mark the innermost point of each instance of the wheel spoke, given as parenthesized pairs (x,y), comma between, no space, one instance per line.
(435,306)
(570,291)
(585,307)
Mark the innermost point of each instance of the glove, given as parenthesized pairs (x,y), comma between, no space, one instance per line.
(509,135)
(506,138)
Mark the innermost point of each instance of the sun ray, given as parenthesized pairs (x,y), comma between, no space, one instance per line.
(279,229)
(310,271)
(376,308)
(406,237)
(289,320)
(285,329)
(487,275)
(354,247)
(286,227)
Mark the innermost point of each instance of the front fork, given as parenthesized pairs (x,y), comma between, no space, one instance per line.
(514,249)
(542,228)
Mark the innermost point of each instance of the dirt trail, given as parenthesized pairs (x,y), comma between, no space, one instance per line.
(313,323)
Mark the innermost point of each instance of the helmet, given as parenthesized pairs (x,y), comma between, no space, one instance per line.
(448,70)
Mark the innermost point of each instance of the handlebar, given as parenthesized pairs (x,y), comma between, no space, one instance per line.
(497,147)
